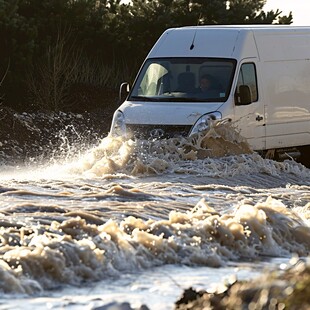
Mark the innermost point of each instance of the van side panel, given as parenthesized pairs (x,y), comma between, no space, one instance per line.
(285,68)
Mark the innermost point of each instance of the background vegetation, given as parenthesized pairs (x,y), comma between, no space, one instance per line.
(73,54)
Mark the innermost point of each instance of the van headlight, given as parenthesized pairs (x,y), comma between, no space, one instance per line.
(204,121)
(118,127)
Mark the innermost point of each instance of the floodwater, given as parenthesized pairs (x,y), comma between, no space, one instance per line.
(140,221)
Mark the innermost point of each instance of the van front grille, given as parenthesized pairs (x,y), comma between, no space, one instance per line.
(158,131)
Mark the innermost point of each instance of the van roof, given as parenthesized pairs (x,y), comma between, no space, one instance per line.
(222,41)
(250,26)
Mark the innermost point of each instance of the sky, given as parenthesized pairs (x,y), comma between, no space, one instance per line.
(300,10)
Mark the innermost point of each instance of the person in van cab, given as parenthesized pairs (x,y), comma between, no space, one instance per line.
(205,83)
(209,87)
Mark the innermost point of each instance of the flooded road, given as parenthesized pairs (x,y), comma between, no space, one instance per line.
(139,222)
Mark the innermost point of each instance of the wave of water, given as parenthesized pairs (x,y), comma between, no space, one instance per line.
(126,207)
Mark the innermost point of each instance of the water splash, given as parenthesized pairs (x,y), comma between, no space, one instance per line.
(219,152)
(76,249)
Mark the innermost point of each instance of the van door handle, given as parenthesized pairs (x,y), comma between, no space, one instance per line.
(259,118)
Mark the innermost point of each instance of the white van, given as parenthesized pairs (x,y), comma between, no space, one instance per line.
(258,77)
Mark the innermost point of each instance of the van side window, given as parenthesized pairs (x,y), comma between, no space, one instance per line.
(246,91)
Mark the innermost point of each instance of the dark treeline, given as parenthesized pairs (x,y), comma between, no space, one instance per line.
(68,54)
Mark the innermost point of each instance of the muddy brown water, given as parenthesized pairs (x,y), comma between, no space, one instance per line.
(140,221)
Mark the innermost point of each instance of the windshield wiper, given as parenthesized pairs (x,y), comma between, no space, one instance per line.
(184,99)
(171,99)
(144,98)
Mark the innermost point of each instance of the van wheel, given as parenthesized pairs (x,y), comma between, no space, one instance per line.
(305,156)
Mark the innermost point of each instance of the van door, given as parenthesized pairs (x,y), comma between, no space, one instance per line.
(249,106)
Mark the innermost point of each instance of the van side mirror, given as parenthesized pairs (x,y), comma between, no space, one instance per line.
(244,96)
(123,92)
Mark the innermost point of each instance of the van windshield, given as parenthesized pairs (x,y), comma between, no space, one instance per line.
(184,79)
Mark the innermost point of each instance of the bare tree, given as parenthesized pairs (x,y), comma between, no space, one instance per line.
(2,80)
(51,78)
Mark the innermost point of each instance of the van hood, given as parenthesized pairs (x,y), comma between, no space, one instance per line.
(166,113)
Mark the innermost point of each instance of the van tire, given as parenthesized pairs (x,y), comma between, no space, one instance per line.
(305,156)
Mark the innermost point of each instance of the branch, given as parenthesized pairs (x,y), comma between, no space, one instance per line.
(5,73)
